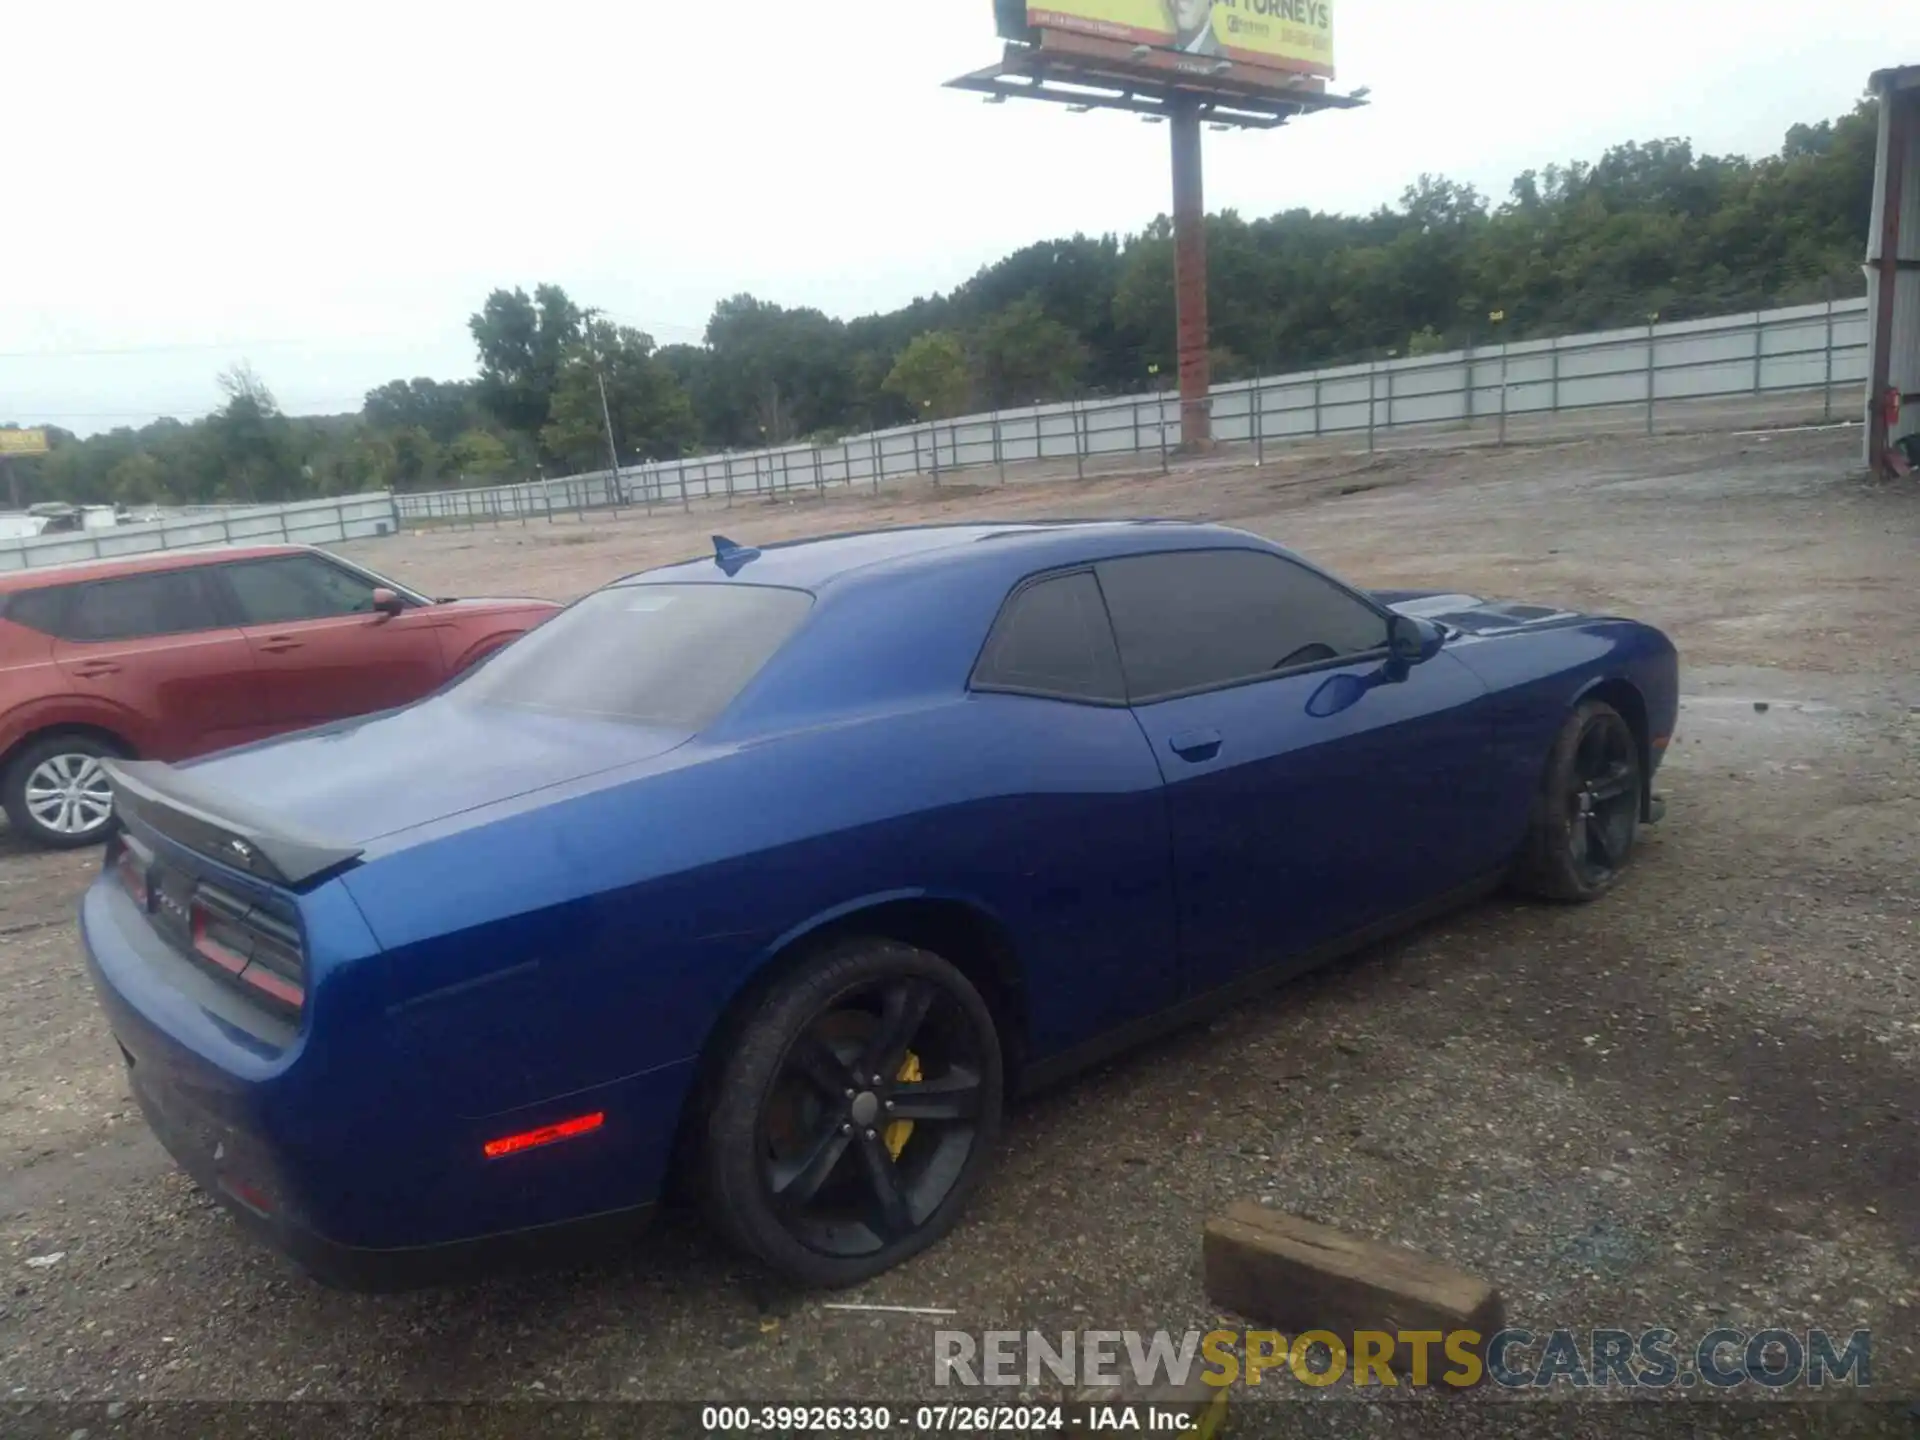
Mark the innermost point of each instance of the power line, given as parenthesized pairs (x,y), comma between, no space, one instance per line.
(182,347)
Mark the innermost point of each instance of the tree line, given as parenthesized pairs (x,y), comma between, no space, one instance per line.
(1649,230)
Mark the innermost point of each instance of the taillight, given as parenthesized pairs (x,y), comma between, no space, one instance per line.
(218,940)
(261,951)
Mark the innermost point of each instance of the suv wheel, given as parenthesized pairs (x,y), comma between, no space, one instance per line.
(58,795)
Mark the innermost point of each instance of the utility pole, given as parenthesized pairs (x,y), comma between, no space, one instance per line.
(606,413)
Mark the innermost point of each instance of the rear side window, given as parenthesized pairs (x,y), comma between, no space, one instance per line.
(668,655)
(1191,620)
(42,610)
(1053,639)
(165,603)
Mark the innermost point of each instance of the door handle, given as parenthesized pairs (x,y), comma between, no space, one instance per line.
(94,669)
(275,644)
(1196,745)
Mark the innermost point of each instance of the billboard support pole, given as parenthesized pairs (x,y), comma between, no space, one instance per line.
(1900,122)
(1190,275)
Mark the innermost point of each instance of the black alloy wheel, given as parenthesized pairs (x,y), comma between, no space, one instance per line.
(855,1114)
(1605,800)
(1587,814)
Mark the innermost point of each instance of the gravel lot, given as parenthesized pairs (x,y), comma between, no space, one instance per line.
(1690,1105)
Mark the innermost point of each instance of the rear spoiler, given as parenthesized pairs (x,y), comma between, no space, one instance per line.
(178,805)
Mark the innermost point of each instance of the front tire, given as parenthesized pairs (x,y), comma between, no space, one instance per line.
(855,1114)
(56,794)
(1587,812)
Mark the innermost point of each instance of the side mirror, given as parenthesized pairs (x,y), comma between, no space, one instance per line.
(385,602)
(1412,641)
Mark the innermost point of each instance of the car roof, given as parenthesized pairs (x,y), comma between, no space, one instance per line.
(818,563)
(40,576)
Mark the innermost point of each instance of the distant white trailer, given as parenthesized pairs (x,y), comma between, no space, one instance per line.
(21,527)
(98,517)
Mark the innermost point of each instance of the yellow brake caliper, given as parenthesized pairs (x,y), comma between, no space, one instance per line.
(899,1131)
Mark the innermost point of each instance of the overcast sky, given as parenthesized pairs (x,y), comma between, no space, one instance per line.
(329,190)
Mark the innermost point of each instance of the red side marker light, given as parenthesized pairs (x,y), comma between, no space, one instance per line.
(248,1195)
(545,1135)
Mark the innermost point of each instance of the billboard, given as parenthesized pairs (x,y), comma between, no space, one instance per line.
(23,442)
(1294,35)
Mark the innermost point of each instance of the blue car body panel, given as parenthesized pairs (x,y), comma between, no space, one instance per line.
(552,914)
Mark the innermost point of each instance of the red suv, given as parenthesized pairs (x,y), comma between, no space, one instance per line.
(168,656)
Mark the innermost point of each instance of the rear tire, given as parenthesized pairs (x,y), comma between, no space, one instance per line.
(55,793)
(1587,812)
(855,1115)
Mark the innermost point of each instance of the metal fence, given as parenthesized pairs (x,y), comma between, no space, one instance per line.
(306,522)
(1814,353)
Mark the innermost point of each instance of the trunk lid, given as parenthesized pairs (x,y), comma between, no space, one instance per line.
(356,782)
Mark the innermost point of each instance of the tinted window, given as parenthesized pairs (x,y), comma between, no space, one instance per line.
(41,610)
(1199,618)
(673,655)
(164,603)
(1053,639)
(300,587)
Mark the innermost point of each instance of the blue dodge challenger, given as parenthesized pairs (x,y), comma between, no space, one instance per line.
(774,873)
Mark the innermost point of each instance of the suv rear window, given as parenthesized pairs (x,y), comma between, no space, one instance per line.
(41,610)
(131,607)
(669,655)
(167,602)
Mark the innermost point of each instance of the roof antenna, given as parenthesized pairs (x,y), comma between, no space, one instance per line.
(731,557)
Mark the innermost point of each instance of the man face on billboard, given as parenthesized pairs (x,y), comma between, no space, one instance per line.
(1192,25)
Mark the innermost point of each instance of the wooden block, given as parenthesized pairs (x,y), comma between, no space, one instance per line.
(1297,1276)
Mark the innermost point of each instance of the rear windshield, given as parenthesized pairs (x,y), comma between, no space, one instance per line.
(669,655)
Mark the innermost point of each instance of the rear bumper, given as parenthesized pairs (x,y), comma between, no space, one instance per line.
(353,1267)
(378,1186)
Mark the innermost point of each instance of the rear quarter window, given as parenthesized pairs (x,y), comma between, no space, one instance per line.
(165,602)
(1053,639)
(43,610)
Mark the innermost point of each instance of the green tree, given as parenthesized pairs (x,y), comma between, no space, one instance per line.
(931,376)
(652,418)
(523,343)
(250,440)
(775,373)
(478,455)
(1024,355)
(444,409)
(138,479)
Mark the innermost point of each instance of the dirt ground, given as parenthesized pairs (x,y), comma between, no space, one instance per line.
(1690,1105)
